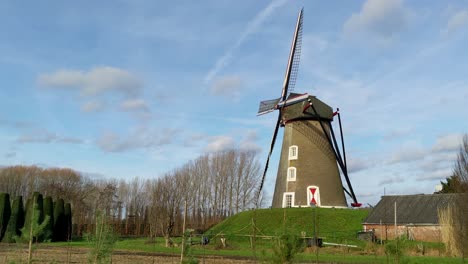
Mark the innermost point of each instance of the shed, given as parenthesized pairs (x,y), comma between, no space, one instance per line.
(416,216)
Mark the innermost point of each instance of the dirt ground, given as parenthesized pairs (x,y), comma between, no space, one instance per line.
(51,255)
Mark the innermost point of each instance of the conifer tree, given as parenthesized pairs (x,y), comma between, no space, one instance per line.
(34,228)
(68,221)
(49,211)
(16,221)
(38,203)
(5,212)
(59,221)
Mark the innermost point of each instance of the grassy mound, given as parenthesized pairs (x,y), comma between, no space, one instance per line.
(334,225)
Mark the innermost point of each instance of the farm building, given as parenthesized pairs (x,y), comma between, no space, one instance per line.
(416,216)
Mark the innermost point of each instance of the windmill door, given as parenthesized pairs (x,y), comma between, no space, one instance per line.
(313,195)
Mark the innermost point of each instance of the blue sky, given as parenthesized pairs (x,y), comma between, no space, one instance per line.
(137,88)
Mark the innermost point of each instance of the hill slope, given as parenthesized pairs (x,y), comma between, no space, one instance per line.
(333,224)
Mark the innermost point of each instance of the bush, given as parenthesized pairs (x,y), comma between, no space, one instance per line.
(395,249)
(102,241)
(286,247)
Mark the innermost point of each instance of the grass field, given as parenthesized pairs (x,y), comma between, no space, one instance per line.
(263,252)
(333,225)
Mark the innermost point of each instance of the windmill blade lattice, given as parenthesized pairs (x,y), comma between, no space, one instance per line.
(296,59)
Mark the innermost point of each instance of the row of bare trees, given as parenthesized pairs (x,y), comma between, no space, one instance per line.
(214,186)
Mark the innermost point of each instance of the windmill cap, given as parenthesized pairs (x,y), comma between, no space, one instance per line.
(312,108)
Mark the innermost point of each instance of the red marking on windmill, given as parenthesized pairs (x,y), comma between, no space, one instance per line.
(312,192)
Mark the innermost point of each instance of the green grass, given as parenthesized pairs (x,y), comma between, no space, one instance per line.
(334,225)
(326,254)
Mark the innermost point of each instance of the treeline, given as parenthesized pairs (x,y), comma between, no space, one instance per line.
(40,220)
(214,186)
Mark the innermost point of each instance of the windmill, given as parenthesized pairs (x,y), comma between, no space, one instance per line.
(311,160)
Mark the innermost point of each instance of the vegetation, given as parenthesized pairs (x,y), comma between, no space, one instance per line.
(49,211)
(453,219)
(101,241)
(68,221)
(15,222)
(242,250)
(34,226)
(5,212)
(336,225)
(34,212)
(286,247)
(59,221)
(214,185)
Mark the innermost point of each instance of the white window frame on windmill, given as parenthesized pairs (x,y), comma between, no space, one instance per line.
(285,205)
(292,172)
(293,152)
(316,195)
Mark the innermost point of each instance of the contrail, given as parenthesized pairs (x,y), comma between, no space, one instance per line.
(251,28)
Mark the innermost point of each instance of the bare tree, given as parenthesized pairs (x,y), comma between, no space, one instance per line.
(214,185)
(461,166)
(454,219)
(166,204)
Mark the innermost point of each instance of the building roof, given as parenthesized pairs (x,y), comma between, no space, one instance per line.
(411,209)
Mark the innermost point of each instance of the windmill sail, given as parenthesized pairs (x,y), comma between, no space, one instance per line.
(291,74)
(294,58)
(267,106)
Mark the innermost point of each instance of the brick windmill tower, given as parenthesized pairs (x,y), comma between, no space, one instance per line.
(311,160)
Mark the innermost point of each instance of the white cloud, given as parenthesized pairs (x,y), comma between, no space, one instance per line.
(227,86)
(391,180)
(395,133)
(382,18)
(249,141)
(70,140)
(457,21)
(220,143)
(44,136)
(252,27)
(194,138)
(355,165)
(10,155)
(134,105)
(435,175)
(407,154)
(139,138)
(92,106)
(41,137)
(98,80)
(447,143)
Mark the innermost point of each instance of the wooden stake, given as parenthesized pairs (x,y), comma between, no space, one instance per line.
(183,233)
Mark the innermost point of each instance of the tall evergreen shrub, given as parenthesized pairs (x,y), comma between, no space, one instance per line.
(49,211)
(5,211)
(60,233)
(68,221)
(38,202)
(16,221)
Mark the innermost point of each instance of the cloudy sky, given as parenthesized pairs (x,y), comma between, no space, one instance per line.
(137,88)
